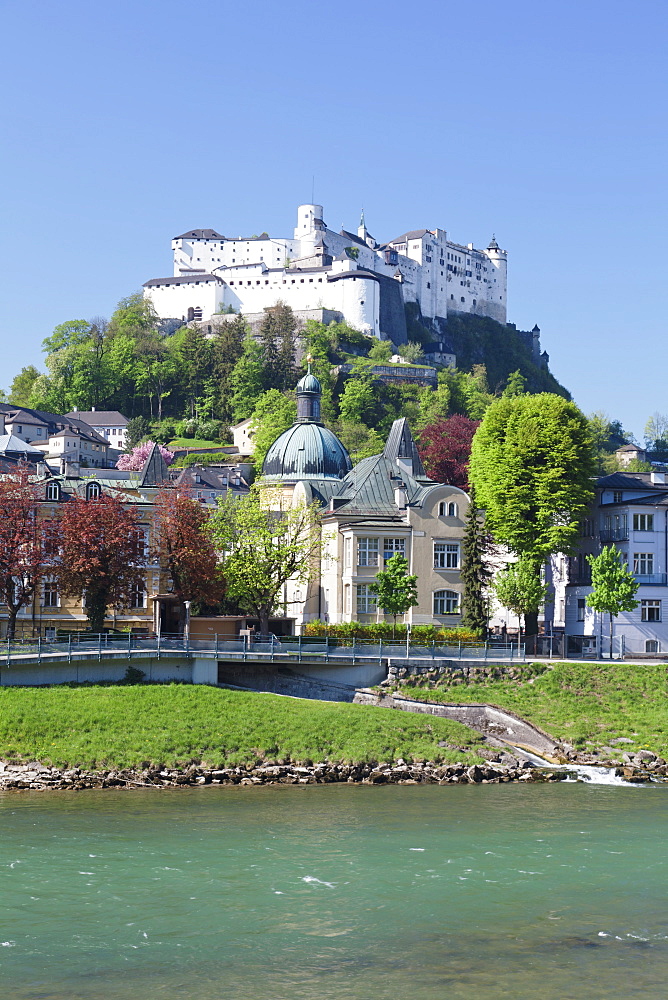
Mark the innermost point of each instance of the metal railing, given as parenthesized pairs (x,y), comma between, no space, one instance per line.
(84,645)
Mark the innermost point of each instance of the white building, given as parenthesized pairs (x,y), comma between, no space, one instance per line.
(109,424)
(366,282)
(631,512)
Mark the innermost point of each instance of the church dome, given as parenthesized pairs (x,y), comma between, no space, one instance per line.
(305,451)
(309,383)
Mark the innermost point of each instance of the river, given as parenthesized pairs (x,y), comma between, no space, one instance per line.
(551,891)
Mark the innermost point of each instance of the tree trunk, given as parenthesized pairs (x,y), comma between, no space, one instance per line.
(11,621)
(263,616)
(611,628)
(96,611)
(530,625)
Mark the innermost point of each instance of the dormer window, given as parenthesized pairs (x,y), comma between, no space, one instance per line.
(53,491)
(93,491)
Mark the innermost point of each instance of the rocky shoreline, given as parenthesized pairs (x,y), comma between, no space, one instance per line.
(500,768)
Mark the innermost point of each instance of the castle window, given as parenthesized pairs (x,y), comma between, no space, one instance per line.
(428,259)
(463,299)
(446,602)
(429,284)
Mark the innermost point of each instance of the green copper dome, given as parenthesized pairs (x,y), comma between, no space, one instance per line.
(307,450)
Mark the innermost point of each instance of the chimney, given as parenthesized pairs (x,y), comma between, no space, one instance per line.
(92,409)
(75,409)
(41,468)
(400,495)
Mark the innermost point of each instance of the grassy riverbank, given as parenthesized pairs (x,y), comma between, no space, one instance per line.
(586,704)
(173,724)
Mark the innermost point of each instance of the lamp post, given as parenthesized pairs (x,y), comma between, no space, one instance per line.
(187,628)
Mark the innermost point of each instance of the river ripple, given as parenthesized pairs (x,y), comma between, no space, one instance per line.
(344,892)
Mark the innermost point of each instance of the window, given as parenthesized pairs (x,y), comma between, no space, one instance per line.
(367,551)
(446,602)
(52,491)
(138,598)
(50,595)
(643,563)
(50,546)
(617,496)
(446,555)
(366,600)
(347,547)
(643,522)
(582,607)
(650,611)
(93,491)
(446,509)
(393,545)
(651,646)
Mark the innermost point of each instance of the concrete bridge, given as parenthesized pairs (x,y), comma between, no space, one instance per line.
(244,663)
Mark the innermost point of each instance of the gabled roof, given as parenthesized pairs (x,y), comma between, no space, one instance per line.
(401,445)
(415,234)
(201,234)
(184,279)
(96,418)
(155,471)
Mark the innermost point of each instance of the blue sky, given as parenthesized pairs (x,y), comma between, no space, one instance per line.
(129,122)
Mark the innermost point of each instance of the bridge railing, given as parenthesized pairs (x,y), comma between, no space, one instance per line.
(84,645)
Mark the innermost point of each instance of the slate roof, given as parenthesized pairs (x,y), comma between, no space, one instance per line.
(155,471)
(400,444)
(415,234)
(96,418)
(184,279)
(11,443)
(201,234)
(628,481)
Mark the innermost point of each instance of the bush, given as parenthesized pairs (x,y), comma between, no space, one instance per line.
(383,631)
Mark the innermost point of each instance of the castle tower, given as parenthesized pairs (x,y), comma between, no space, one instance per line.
(496,299)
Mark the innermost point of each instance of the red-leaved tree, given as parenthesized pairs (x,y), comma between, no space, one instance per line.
(102,555)
(445,449)
(183,547)
(21,557)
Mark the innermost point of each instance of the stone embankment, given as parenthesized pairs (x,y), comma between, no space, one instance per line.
(498,768)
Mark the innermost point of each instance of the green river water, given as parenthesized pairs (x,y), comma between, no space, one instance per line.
(552,891)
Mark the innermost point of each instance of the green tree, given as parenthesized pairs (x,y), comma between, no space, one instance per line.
(396,588)
(656,432)
(226,349)
(262,549)
(277,336)
(531,467)
(69,334)
(20,391)
(274,413)
(358,403)
(381,351)
(247,379)
(137,430)
(516,384)
(614,586)
(475,574)
(521,589)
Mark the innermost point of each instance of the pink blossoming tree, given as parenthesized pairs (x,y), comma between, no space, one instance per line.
(134,461)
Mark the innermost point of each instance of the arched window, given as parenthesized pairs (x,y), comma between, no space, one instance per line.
(93,491)
(53,491)
(446,509)
(651,646)
(446,602)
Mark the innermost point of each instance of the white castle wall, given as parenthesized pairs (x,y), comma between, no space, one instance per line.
(442,276)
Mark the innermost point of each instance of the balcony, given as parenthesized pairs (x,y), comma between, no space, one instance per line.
(608,535)
(653,579)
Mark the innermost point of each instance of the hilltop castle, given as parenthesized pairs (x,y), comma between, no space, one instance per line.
(332,275)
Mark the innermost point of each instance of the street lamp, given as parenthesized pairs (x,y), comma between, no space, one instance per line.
(187,628)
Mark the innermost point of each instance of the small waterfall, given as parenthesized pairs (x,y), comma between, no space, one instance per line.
(593,775)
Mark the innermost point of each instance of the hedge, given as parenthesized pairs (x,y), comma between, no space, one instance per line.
(384,630)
